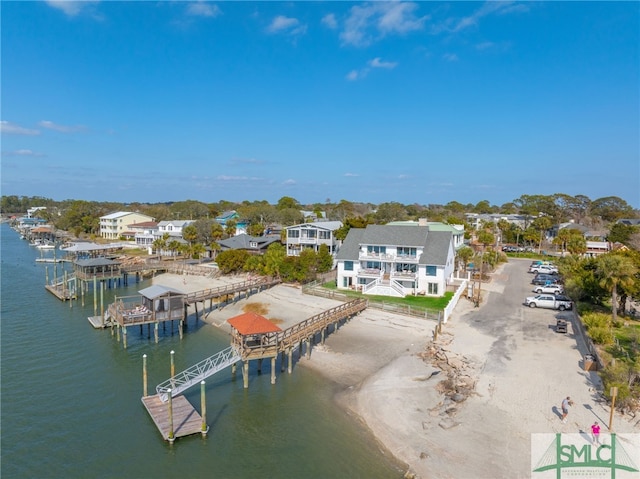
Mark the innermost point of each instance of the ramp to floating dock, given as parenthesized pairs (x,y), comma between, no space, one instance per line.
(186,420)
(198,372)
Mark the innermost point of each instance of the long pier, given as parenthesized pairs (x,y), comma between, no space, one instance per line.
(243,348)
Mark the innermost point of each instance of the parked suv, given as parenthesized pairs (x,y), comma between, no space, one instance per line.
(541,279)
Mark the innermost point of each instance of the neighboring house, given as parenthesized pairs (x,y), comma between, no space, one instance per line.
(142,234)
(311,236)
(241,225)
(629,221)
(587,231)
(114,225)
(31,211)
(596,248)
(252,244)
(394,260)
(174,228)
(313,215)
(475,219)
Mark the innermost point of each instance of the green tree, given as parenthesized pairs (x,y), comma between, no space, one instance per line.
(273,259)
(577,244)
(159,244)
(232,261)
(230,228)
(190,233)
(287,202)
(255,229)
(610,208)
(464,255)
(325,260)
(388,212)
(614,270)
(621,233)
(255,264)
(174,246)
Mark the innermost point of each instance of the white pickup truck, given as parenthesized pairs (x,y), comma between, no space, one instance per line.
(549,301)
(549,289)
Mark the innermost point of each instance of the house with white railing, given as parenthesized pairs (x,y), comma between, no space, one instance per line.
(394,260)
(311,236)
(113,226)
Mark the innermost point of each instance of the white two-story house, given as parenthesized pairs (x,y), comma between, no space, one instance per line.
(114,225)
(397,261)
(312,235)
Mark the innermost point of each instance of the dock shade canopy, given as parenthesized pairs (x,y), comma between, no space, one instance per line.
(155,291)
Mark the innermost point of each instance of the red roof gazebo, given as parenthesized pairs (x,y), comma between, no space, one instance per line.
(254,335)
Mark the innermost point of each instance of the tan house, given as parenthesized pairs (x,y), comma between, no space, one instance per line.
(113,226)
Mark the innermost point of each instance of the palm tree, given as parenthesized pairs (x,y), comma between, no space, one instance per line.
(615,270)
(174,247)
(160,243)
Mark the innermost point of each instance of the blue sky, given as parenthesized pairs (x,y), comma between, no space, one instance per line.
(414,102)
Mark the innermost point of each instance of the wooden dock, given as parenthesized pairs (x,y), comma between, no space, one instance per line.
(186,420)
(99,323)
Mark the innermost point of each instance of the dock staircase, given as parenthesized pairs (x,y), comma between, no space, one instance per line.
(198,372)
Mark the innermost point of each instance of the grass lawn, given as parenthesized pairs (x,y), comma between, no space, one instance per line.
(628,343)
(418,301)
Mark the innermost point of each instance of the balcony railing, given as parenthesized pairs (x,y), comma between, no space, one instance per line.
(368,255)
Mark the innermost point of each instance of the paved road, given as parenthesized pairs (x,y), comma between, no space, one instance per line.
(525,369)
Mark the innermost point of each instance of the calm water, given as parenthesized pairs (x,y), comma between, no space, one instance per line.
(71,399)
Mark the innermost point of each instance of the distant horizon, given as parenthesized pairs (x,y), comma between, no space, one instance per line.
(302,203)
(408,102)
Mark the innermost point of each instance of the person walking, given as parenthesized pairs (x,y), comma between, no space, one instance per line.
(565,408)
(595,432)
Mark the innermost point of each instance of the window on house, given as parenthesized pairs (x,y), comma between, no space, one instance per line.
(348,265)
(432,288)
(406,251)
(376,249)
(431,270)
(253,244)
(293,233)
(324,234)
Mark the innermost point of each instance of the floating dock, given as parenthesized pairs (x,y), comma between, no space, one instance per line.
(186,420)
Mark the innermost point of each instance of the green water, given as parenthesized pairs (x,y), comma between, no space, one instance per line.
(71,399)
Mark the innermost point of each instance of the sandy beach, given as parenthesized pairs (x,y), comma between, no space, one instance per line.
(380,361)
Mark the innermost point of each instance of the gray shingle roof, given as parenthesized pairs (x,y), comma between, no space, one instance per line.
(436,249)
(385,235)
(152,292)
(351,245)
(243,241)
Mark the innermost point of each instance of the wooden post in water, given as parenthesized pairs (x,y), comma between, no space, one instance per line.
(203,406)
(260,366)
(95,296)
(309,339)
(181,327)
(273,370)
(46,275)
(245,374)
(233,369)
(282,361)
(173,366)
(124,336)
(102,305)
(144,375)
(290,365)
(170,407)
(322,335)
(155,331)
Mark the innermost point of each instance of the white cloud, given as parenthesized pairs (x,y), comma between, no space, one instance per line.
(12,129)
(68,7)
(289,182)
(21,152)
(61,128)
(484,45)
(351,175)
(378,63)
(450,57)
(354,75)
(370,22)
(488,8)
(73,8)
(329,21)
(231,178)
(288,25)
(248,161)
(203,9)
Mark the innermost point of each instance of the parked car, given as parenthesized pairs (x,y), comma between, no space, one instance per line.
(549,289)
(549,301)
(543,268)
(542,279)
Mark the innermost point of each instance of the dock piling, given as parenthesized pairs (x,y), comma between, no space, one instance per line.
(173,366)
(170,407)
(144,375)
(203,406)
